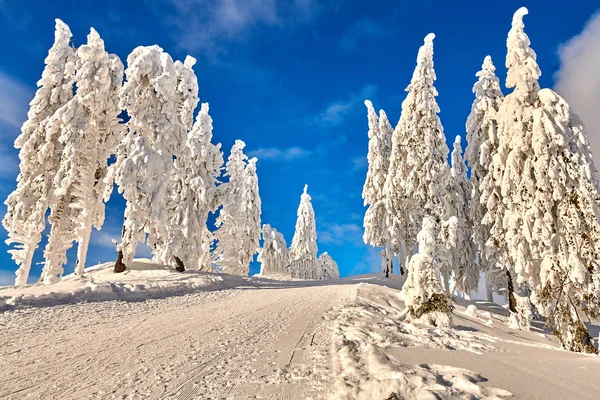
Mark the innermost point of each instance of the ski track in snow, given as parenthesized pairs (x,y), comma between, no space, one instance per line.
(227,344)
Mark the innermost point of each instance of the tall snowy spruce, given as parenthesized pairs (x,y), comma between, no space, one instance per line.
(461,251)
(303,252)
(171,241)
(89,128)
(39,154)
(199,170)
(511,169)
(145,156)
(380,146)
(482,146)
(418,186)
(274,257)
(238,223)
(563,222)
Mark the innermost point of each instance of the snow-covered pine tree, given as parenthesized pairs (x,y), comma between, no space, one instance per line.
(419,171)
(39,154)
(511,169)
(202,170)
(482,145)
(274,257)
(422,293)
(564,230)
(465,274)
(238,223)
(184,221)
(380,146)
(303,252)
(89,128)
(328,267)
(145,156)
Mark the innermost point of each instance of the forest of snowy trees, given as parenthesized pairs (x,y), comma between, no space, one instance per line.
(520,207)
(95,124)
(527,218)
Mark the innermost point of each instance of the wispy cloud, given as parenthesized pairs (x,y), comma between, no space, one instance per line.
(337,111)
(338,234)
(578,79)
(273,153)
(360,32)
(204,24)
(14,102)
(359,163)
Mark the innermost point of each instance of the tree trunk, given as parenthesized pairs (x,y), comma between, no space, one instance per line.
(82,248)
(512,301)
(489,294)
(119,264)
(180,267)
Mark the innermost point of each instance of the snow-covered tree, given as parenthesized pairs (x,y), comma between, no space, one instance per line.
(238,232)
(153,138)
(416,185)
(89,128)
(380,146)
(39,154)
(464,271)
(509,190)
(422,293)
(303,252)
(562,225)
(482,145)
(172,240)
(328,267)
(274,257)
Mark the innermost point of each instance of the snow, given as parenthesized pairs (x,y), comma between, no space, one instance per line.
(202,335)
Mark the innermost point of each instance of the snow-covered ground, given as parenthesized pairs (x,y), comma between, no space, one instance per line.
(261,338)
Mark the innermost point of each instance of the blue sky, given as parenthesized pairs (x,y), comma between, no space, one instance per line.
(289,78)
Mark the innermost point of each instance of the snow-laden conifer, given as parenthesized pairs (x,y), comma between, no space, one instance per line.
(418,175)
(423,295)
(89,128)
(380,146)
(274,257)
(482,146)
(39,154)
(238,232)
(145,156)
(303,252)
(465,274)
(328,267)
(510,190)
(561,223)
(183,221)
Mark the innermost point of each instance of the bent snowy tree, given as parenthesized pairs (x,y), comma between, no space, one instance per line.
(39,154)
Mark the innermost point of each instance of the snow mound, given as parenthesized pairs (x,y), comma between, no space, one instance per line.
(141,281)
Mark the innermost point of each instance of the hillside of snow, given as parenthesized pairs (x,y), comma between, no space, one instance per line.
(201,336)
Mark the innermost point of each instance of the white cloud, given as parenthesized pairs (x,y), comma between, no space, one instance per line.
(104,239)
(578,79)
(338,234)
(336,112)
(361,31)
(273,153)
(14,103)
(359,163)
(203,24)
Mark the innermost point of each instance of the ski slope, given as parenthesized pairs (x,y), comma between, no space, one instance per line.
(260,338)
